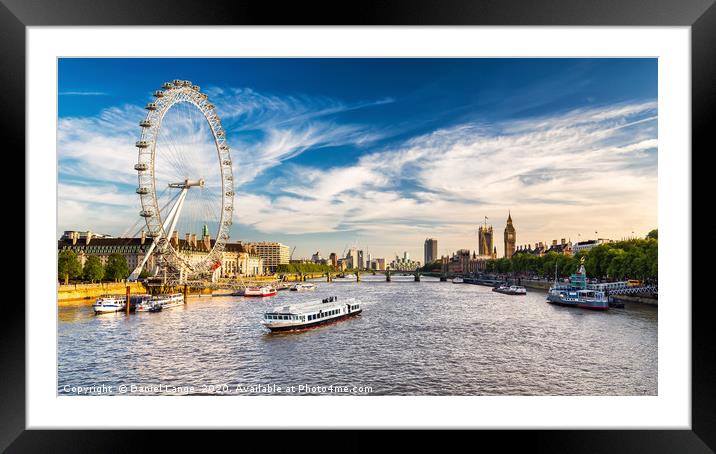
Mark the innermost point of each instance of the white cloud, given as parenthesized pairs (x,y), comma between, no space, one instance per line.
(561,176)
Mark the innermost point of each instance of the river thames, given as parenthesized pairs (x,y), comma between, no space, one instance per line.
(426,338)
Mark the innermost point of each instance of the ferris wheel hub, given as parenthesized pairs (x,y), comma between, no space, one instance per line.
(188,184)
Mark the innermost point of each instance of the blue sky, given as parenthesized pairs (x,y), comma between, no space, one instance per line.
(382,153)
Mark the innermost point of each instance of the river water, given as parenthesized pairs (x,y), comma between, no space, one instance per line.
(427,338)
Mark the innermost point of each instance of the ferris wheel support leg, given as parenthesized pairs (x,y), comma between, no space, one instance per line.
(172,218)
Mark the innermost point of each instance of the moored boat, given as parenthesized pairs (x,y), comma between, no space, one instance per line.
(578,293)
(169,300)
(510,290)
(264,290)
(109,303)
(308,315)
(148,305)
(303,287)
(457,280)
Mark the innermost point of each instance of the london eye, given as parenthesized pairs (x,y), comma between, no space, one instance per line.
(185,180)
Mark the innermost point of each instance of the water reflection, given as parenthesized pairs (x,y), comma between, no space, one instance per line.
(427,338)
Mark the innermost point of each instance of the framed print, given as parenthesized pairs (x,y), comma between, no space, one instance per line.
(401,219)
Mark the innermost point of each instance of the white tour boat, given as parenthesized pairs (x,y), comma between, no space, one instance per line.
(265,290)
(457,280)
(109,303)
(307,315)
(148,304)
(169,300)
(510,290)
(303,287)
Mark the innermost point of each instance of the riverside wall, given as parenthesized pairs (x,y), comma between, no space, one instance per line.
(73,292)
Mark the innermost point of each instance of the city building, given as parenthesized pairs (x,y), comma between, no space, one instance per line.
(87,244)
(587,245)
(333,259)
(352,258)
(237,259)
(510,237)
(272,253)
(430,250)
(485,239)
(563,247)
(377,264)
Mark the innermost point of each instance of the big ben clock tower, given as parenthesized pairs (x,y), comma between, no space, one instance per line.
(510,237)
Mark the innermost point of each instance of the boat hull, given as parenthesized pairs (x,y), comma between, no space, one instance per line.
(313,324)
(107,309)
(260,294)
(507,292)
(596,306)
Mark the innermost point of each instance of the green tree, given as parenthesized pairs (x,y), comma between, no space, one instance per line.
(117,267)
(303,268)
(654,234)
(68,265)
(94,270)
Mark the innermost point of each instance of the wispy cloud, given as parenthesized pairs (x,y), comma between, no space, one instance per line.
(566,173)
(83,93)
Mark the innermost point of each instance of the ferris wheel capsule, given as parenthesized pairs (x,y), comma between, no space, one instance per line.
(145,123)
(167,85)
(151,106)
(158,94)
(140,167)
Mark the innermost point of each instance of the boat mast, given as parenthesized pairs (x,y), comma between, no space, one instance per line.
(555,272)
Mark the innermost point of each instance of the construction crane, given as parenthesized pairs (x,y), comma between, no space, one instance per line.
(290,257)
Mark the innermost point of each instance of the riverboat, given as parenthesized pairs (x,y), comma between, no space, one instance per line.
(308,315)
(578,293)
(303,287)
(457,280)
(109,303)
(510,290)
(148,305)
(169,300)
(265,290)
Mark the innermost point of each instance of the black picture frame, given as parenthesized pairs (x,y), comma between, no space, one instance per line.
(700,15)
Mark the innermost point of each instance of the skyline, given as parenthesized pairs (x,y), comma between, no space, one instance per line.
(341,151)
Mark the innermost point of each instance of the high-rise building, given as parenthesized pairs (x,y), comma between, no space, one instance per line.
(352,258)
(510,237)
(334,259)
(431,250)
(485,239)
(272,253)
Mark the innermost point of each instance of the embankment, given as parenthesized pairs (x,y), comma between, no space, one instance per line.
(74,292)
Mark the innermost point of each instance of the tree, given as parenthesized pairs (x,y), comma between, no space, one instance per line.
(68,265)
(654,234)
(117,267)
(94,270)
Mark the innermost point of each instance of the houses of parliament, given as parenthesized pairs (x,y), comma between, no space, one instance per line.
(486,247)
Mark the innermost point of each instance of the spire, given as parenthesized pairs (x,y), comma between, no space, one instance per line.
(509,217)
